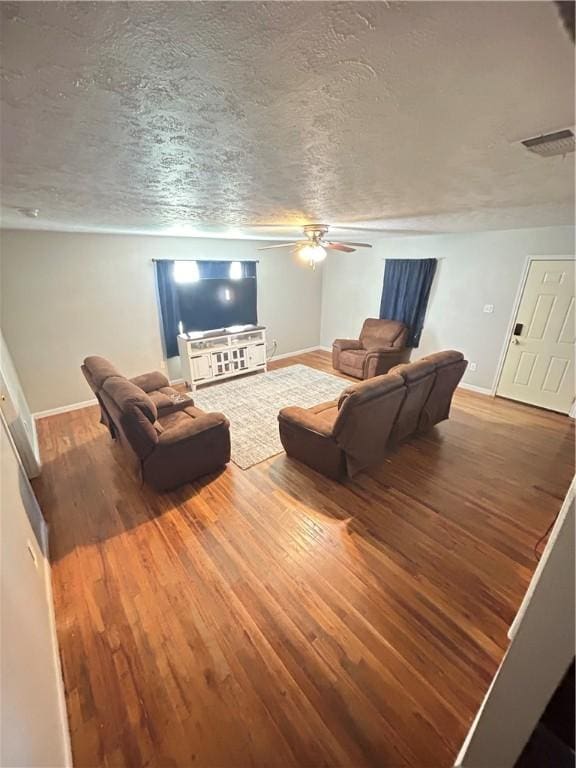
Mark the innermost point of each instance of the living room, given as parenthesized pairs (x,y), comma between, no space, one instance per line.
(287,381)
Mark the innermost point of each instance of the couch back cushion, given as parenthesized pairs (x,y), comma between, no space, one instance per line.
(97,369)
(366,414)
(450,366)
(376,334)
(134,412)
(419,379)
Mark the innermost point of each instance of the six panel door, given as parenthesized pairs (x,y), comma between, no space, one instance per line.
(539,364)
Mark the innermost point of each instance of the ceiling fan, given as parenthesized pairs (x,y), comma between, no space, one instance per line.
(314,247)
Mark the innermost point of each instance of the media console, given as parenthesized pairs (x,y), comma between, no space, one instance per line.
(212,355)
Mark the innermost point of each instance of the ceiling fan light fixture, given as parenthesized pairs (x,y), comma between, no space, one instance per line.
(312,253)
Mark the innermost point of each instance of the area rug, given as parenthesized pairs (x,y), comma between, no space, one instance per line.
(252,402)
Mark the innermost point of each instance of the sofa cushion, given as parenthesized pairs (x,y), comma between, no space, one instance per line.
(412,372)
(419,378)
(367,412)
(179,417)
(100,369)
(369,389)
(447,357)
(127,395)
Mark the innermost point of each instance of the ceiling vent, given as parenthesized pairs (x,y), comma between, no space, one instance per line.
(551,144)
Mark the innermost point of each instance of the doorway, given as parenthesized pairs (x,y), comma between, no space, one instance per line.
(539,364)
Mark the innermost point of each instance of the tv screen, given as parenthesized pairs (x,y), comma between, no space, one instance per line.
(210,304)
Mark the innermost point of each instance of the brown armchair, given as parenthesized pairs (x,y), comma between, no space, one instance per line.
(167,440)
(380,347)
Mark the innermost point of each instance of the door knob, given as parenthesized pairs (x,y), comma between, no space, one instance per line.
(515,341)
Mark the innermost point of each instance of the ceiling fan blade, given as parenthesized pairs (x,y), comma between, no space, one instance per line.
(280,245)
(337,247)
(358,245)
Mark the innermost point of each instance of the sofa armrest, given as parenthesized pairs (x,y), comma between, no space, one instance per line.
(300,417)
(150,381)
(342,344)
(185,430)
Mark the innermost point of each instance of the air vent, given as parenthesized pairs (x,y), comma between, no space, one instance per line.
(551,144)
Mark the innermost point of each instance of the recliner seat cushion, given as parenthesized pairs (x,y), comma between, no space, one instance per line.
(353,358)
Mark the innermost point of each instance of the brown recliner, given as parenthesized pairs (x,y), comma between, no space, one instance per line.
(343,437)
(380,347)
(167,439)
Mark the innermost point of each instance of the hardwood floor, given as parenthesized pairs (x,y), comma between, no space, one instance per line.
(272,617)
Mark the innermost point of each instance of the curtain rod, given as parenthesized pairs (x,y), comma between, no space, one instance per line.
(248,261)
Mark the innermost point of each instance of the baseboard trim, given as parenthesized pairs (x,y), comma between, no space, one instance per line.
(63,409)
(295,352)
(474,388)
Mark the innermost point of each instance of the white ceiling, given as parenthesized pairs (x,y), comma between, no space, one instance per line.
(183,118)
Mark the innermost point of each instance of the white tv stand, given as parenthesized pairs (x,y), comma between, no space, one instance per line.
(213,355)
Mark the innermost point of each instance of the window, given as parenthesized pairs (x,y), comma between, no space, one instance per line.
(186,272)
(235,270)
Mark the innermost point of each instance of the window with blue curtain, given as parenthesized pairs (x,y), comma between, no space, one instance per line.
(204,295)
(405,293)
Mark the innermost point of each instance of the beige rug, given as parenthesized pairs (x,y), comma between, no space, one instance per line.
(252,402)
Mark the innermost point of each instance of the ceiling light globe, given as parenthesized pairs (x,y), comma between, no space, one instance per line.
(312,253)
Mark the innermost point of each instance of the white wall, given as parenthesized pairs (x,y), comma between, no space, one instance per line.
(541,651)
(66,296)
(474,269)
(33,723)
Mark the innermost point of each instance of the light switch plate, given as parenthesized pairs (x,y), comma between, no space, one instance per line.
(488,308)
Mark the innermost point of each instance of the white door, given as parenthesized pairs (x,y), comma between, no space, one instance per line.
(539,364)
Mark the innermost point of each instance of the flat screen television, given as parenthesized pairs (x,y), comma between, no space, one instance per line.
(213,303)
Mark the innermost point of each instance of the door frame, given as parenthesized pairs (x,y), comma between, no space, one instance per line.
(519,293)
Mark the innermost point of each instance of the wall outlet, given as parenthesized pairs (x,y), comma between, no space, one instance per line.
(471,366)
(162,365)
(488,308)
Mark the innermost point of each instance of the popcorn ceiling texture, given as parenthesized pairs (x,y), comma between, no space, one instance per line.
(133,116)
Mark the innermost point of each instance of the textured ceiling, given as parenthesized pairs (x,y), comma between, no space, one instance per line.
(175,117)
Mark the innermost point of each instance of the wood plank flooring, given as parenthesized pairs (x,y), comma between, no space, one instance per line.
(272,617)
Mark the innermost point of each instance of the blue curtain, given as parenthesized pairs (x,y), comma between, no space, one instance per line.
(405,293)
(169,305)
(220,270)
